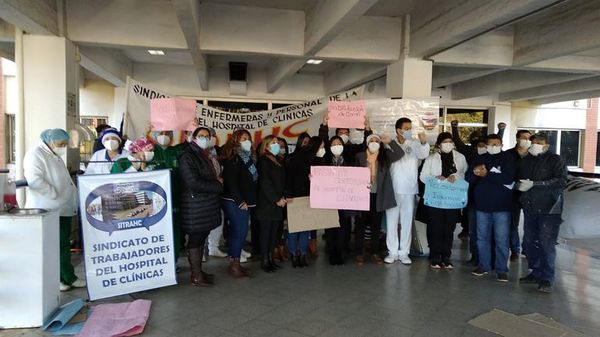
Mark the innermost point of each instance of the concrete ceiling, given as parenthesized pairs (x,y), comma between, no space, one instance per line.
(513,50)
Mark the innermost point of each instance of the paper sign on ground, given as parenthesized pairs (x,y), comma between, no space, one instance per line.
(336,187)
(446,195)
(168,114)
(302,218)
(346,114)
(127,229)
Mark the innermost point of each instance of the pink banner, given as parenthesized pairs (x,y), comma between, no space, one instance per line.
(336,187)
(346,114)
(168,114)
(117,319)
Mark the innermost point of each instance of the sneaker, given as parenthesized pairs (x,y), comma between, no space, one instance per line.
(246,254)
(514,256)
(390,259)
(64,287)
(448,265)
(479,272)
(435,265)
(79,283)
(243,259)
(502,277)
(545,287)
(217,253)
(405,260)
(529,279)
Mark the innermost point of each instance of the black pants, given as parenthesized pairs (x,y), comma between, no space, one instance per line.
(441,226)
(268,236)
(255,234)
(372,219)
(196,240)
(336,237)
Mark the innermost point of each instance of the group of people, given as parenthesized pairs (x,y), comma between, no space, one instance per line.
(247,187)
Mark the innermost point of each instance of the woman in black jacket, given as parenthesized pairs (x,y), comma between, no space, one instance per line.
(200,202)
(240,176)
(271,199)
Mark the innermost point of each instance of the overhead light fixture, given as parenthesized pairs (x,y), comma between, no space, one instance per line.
(155,52)
(313,61)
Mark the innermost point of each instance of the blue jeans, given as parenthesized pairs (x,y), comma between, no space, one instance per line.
(515,242)
(499,224)
(539,243)
(238,228)
(298,241)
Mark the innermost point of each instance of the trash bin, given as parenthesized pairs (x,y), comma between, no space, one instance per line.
(29,267)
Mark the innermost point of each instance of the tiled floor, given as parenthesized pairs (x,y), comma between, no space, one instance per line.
(368,300)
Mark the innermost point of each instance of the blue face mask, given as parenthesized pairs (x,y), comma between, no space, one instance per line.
(275,148)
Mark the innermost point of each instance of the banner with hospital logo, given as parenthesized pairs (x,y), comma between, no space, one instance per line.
(127,232)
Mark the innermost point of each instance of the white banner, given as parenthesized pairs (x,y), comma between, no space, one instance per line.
(127,232)
(290,121)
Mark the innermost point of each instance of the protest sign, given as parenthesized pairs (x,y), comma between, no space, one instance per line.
(337,187)
(167,114)
(127,232)
(346,114)
(446,195)
(302,218)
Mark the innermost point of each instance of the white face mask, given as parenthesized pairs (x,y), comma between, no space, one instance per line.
(202,142)
(321,152)
(447,147)
(111,144)
(345,138)
(536,149)
(337,150)
(524,143)
(149,155)
(494,149)
(60,151)
(481,150)
(374,147)
(246,145)
(407,134)
(163,140)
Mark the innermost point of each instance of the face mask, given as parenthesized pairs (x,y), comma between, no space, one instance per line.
(337,150)
(481,150)
(189,138)
(494,149)
(274,148)
(536,149)
(202,142)
(149,155)
(321,153)
(111,144)
(345,138)
(407,134)
(447,147)
(374,147)
(524,143)
(60,151)
(246,145)
(163,140)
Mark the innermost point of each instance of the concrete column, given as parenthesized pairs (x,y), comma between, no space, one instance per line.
(502,113)
(2,126)
(590,136)
(409,77)
(51,90)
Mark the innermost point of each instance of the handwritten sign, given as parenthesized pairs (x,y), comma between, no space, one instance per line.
(302,218)
(168,114)
(334,187)
(346,114)
(446,195)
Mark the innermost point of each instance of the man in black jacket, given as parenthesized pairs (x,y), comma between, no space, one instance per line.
(542,179)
